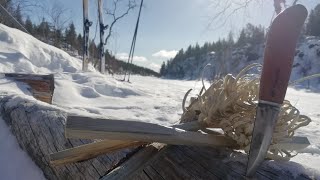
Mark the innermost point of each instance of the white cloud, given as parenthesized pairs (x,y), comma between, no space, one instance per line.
(154,66)
(165,54)
(124,57)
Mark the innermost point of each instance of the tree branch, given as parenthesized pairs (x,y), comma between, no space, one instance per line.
(131,5)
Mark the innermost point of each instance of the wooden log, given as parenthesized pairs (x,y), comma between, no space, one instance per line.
(39,130)
(41,86)
(93,128)
(91,150)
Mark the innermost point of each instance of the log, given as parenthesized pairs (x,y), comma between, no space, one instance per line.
(39,130)
(41,86)
(94,128)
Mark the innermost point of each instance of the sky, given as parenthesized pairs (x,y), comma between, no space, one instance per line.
(166,26)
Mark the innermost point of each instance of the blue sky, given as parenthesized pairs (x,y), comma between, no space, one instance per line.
(169,25)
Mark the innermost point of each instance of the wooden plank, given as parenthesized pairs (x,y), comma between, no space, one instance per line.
(152,173)
(122,171)
(88,151)
(92,128)
(41,86)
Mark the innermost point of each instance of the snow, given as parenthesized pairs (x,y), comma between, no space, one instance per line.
(147,99)
(14,162)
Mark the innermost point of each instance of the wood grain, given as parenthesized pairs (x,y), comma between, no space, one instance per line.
(41,86)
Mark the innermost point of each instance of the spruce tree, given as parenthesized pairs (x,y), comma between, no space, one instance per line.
(313,25)
(29,26)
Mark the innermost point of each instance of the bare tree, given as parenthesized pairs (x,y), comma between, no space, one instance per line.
(225,9)
(58,16)
(116,16)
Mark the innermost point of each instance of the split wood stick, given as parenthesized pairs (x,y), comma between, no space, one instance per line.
(92,150)
(88,151)
(92,128)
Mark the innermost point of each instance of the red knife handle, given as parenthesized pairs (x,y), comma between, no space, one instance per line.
(279,53)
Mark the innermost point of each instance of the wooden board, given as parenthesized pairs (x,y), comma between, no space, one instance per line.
(185,162)
(41,86)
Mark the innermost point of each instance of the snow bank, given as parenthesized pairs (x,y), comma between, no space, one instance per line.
(21,52)
(15,163)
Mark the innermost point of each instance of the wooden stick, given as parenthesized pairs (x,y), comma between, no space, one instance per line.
(91,128)
(88,151)
(95,149)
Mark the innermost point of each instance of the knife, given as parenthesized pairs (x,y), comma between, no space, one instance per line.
(277,65)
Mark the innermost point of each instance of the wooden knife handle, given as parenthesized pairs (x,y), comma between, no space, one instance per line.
(279,53)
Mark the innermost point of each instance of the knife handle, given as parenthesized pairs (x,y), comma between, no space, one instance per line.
(279,53)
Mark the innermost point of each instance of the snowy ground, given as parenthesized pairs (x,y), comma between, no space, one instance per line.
(146,99)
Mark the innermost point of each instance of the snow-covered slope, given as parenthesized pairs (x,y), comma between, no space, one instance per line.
(21,52)
(145,99)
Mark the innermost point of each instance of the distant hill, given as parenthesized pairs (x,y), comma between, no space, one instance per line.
(115,66)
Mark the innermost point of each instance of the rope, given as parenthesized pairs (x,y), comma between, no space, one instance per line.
(230,103)
(133,44)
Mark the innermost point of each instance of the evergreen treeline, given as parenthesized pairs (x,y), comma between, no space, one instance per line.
(249,35)
(68,39)
(313,24)
(121,67)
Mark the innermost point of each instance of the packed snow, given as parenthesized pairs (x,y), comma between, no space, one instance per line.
(90,93)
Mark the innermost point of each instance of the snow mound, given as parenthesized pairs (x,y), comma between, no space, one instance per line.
(21,52)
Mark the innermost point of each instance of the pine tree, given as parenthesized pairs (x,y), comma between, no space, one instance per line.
(29,26)
(163,69)
(58,38)
(71,35)
(230,40)
(80,44)
(17,15)
(313,25)
(43,30)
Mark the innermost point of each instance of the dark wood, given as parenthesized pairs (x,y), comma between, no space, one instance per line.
(41,86)
(39,130)
(279,53)
(184,162)
(126,169)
